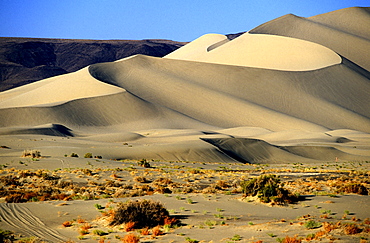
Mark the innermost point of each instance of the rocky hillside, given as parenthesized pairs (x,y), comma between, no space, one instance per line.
(25,60)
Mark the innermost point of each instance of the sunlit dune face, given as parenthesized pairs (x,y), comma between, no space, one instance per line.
(56,90)
(260,51)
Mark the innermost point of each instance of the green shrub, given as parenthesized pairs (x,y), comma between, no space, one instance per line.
(99,232)
(311,224)
(145,213)
(88,155)
(267,188)
(74,155)
(143,163)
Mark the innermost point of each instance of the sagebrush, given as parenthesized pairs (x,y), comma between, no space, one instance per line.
(144,213)
(268,188)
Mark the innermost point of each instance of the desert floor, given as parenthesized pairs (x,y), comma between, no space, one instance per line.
(206,198)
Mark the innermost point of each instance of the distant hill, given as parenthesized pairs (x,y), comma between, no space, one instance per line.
(25,60)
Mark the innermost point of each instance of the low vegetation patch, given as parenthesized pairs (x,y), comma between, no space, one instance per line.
(31,154)
(144,213)
(268,189)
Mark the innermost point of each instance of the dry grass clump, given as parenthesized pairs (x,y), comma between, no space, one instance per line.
(351,229)
(67,223)
(144,213)
(163,181)
(156,231)
(131,238)
(129,226)
(356,188)
(141,179)
(268,188)
(293,239)
(31,154)
(143,163)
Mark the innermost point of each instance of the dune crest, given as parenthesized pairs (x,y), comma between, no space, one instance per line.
(57,90)
(344,31)
(260,51)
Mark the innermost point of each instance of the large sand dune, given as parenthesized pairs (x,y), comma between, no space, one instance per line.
(344,31)
(290,90)
(261,51)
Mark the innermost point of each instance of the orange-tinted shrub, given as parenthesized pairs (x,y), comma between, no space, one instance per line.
(67,224)
(157,231)
(131,238)
(129,226)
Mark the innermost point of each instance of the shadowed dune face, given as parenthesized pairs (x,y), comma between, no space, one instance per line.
(315,100)
(258,98)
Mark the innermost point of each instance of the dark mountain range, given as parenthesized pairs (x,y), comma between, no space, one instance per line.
(25,60)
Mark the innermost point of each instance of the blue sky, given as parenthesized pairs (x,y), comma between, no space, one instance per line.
(149,19)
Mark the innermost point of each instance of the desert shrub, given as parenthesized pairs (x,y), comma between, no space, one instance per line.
(14,198)
(31,154)
(163,190)
(145,231)
(156,231)
(351,229)
(143,163)
(130,238)
(6,236)
(267,188)
(29,195)
(87,172)
(163,181)
(129,226)
(311,224)
(74,155)
(9,180)
(88,155)
(141,179)
(357,188)
(170,221)
(190,240)
(145,213)
(293,239)
(85,226)
(67,223)
(222,184)
(99,232)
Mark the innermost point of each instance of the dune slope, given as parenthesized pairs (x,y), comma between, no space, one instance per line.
(246,96)
(344,31)
(292,89)
(258,50)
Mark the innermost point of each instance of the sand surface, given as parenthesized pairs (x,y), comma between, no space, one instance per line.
(260,51)
(290,97)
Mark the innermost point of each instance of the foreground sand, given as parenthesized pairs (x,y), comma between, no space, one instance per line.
(204,196)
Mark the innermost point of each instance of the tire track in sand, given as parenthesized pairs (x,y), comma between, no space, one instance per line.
(22,219)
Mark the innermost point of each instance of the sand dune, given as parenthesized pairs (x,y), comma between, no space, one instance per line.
(208,96)
(288,90)
(344,31)
(261,51)
(56,90)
